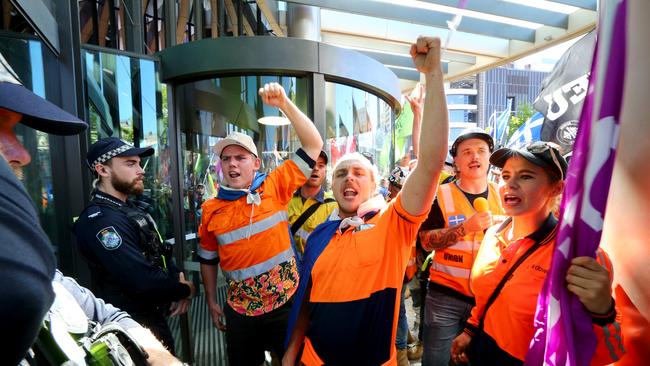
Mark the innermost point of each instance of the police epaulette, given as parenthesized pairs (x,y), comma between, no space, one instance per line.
(141,205)
(94,212)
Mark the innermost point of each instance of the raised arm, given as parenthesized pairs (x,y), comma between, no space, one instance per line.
(416,102)
(421,185)
(273,94)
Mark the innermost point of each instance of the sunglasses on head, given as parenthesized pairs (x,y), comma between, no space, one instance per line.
(539,147)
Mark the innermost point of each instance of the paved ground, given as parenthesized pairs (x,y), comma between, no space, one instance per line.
(411,317)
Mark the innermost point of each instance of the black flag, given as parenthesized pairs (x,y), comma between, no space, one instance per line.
(563,92)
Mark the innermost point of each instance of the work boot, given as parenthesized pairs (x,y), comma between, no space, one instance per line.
(402,358)
(415,351)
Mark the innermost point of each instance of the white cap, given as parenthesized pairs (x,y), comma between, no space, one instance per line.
(236,138)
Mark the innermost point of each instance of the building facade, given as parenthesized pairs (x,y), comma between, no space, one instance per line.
(175,75)
(501,86)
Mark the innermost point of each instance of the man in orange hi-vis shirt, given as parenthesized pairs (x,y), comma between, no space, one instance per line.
(345,311)
(245,231)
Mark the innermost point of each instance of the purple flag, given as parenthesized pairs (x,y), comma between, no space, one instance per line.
(563,329)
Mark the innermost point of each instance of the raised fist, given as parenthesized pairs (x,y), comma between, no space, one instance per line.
(426,54)
(273,94)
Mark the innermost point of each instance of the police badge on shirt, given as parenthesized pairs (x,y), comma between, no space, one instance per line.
(109,238)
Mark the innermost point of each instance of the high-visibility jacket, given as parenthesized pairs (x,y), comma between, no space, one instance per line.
(297,207)
(355,290)
(509,321)
(452,266)
(251,240)
(411,267)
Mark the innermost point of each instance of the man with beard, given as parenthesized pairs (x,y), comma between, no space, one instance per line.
(310,205)
(29,281)
(129,265)
(454,229)
(345,310)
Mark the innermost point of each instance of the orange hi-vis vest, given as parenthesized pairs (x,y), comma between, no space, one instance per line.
(252,239)
(451,267)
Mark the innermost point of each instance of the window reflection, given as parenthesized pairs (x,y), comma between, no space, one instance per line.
(212,109)
(358,121)
(26,57)
(461,99)
(126,100)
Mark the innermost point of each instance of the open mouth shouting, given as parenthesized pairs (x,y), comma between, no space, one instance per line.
(474,165)
(511,200)
(350,193)
(234,175)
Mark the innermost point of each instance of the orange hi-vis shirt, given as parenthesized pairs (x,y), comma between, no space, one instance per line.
(451,267)
(355,287)
(252,242)
(412,266)
(509,321)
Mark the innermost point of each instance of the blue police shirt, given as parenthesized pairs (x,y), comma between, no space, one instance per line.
(124,277)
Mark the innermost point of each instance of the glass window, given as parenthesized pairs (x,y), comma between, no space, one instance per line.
(127,100)
(462,115)
(461,99)
(102,23)
(358,121)
(12,20)
(26,57)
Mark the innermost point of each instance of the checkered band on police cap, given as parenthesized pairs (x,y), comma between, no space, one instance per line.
(107,148)
(111,154)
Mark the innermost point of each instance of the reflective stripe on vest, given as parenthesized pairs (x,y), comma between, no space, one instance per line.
(252,229)
(206,254)
(447,199)
(258,269)
(302,234)
(453,271)
(451,267)
(465,245)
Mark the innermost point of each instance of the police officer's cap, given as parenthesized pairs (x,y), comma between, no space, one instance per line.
(107,148)
(471,133)
(37,112)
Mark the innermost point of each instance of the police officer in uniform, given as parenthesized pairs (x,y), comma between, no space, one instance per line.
(130,265)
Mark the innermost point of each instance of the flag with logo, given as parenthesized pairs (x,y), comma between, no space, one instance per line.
(563,92)
(563,327)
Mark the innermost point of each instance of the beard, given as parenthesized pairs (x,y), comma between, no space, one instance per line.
(127,187)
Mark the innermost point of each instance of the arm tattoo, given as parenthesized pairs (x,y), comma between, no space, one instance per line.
(441,238)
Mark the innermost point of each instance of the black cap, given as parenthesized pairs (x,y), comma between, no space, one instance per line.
(449,160)
(471,133)
(541,153)
(324,156)
(37,112)
(105,149)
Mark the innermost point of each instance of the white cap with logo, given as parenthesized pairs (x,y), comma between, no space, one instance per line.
(236,138)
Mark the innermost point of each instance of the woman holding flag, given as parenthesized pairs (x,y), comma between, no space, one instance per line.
(514,259)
